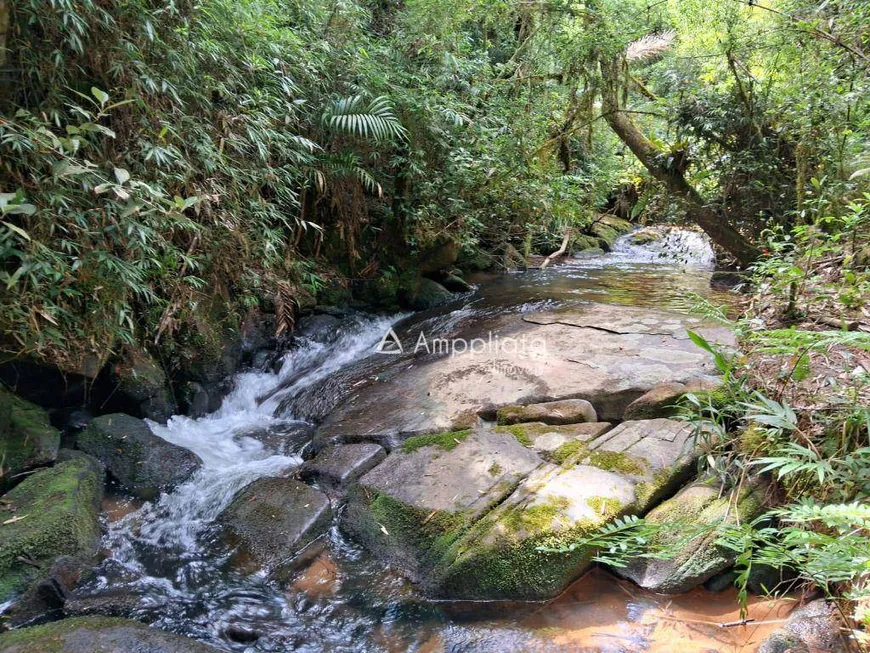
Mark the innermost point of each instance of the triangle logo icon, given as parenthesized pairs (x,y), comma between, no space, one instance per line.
(390,344)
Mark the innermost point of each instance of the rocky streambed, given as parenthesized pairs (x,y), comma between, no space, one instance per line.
(357,500)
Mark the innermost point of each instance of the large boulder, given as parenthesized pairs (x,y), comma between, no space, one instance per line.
(412,507)
(339,465)
(143,382)
(97,634)
(53,512)
(625,471)
(27,438)
(697,507)
(567,411)
(274,521)
(423,294)
(812,628)
(144,463)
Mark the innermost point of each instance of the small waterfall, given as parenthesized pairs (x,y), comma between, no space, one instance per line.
(164,551)
(666,245)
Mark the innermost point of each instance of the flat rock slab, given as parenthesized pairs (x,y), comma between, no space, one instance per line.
(566,411)
(274,521)
(412,505)
(624,471)
(98,634)
(608,355)
(340,465)
(144,463)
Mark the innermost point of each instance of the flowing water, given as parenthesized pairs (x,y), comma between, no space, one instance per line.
(168,562)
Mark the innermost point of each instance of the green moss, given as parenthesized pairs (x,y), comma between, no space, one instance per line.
(27,438)
(533,518)
(447,440)
(520,431)
(568,452)
(607,507)
(58,513)
(495,469)
(510,415)
(616,461)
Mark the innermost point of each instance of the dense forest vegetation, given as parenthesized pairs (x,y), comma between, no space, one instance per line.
(167,168)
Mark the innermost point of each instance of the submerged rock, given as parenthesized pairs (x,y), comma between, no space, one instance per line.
(691,563)
(98,634)
(813,627)
(566,411)
(274,521)
(144,463)
(625,471)
(53,512)
(339,465)
(409,509)
(27,438)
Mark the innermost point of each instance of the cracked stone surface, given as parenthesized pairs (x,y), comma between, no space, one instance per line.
(608,355)
(468,521)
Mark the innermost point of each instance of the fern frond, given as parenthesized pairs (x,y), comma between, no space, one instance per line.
(377,121)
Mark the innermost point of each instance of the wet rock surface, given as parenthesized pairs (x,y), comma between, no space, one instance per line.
(98,634)
(690,563)
(812,628)
(607,355)
(338,465)
(273,522)
(144,463)
(53,512)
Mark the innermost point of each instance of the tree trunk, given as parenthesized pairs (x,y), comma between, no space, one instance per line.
(722,233)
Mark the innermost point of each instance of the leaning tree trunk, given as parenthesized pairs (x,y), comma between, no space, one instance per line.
(722,233)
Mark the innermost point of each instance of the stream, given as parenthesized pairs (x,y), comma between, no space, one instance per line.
(166,563)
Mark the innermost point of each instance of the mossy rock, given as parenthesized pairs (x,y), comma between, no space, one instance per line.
(623,471)
(556,443)
(56,512)
(27,438)
(583,243)
(412,507)
(140,378)
(566,411)
(423,294)
(80,634)
(693,562)
(142,462)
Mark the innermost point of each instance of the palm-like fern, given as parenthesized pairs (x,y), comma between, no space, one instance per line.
(376,120)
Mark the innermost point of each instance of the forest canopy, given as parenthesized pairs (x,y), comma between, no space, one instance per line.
(155,153)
